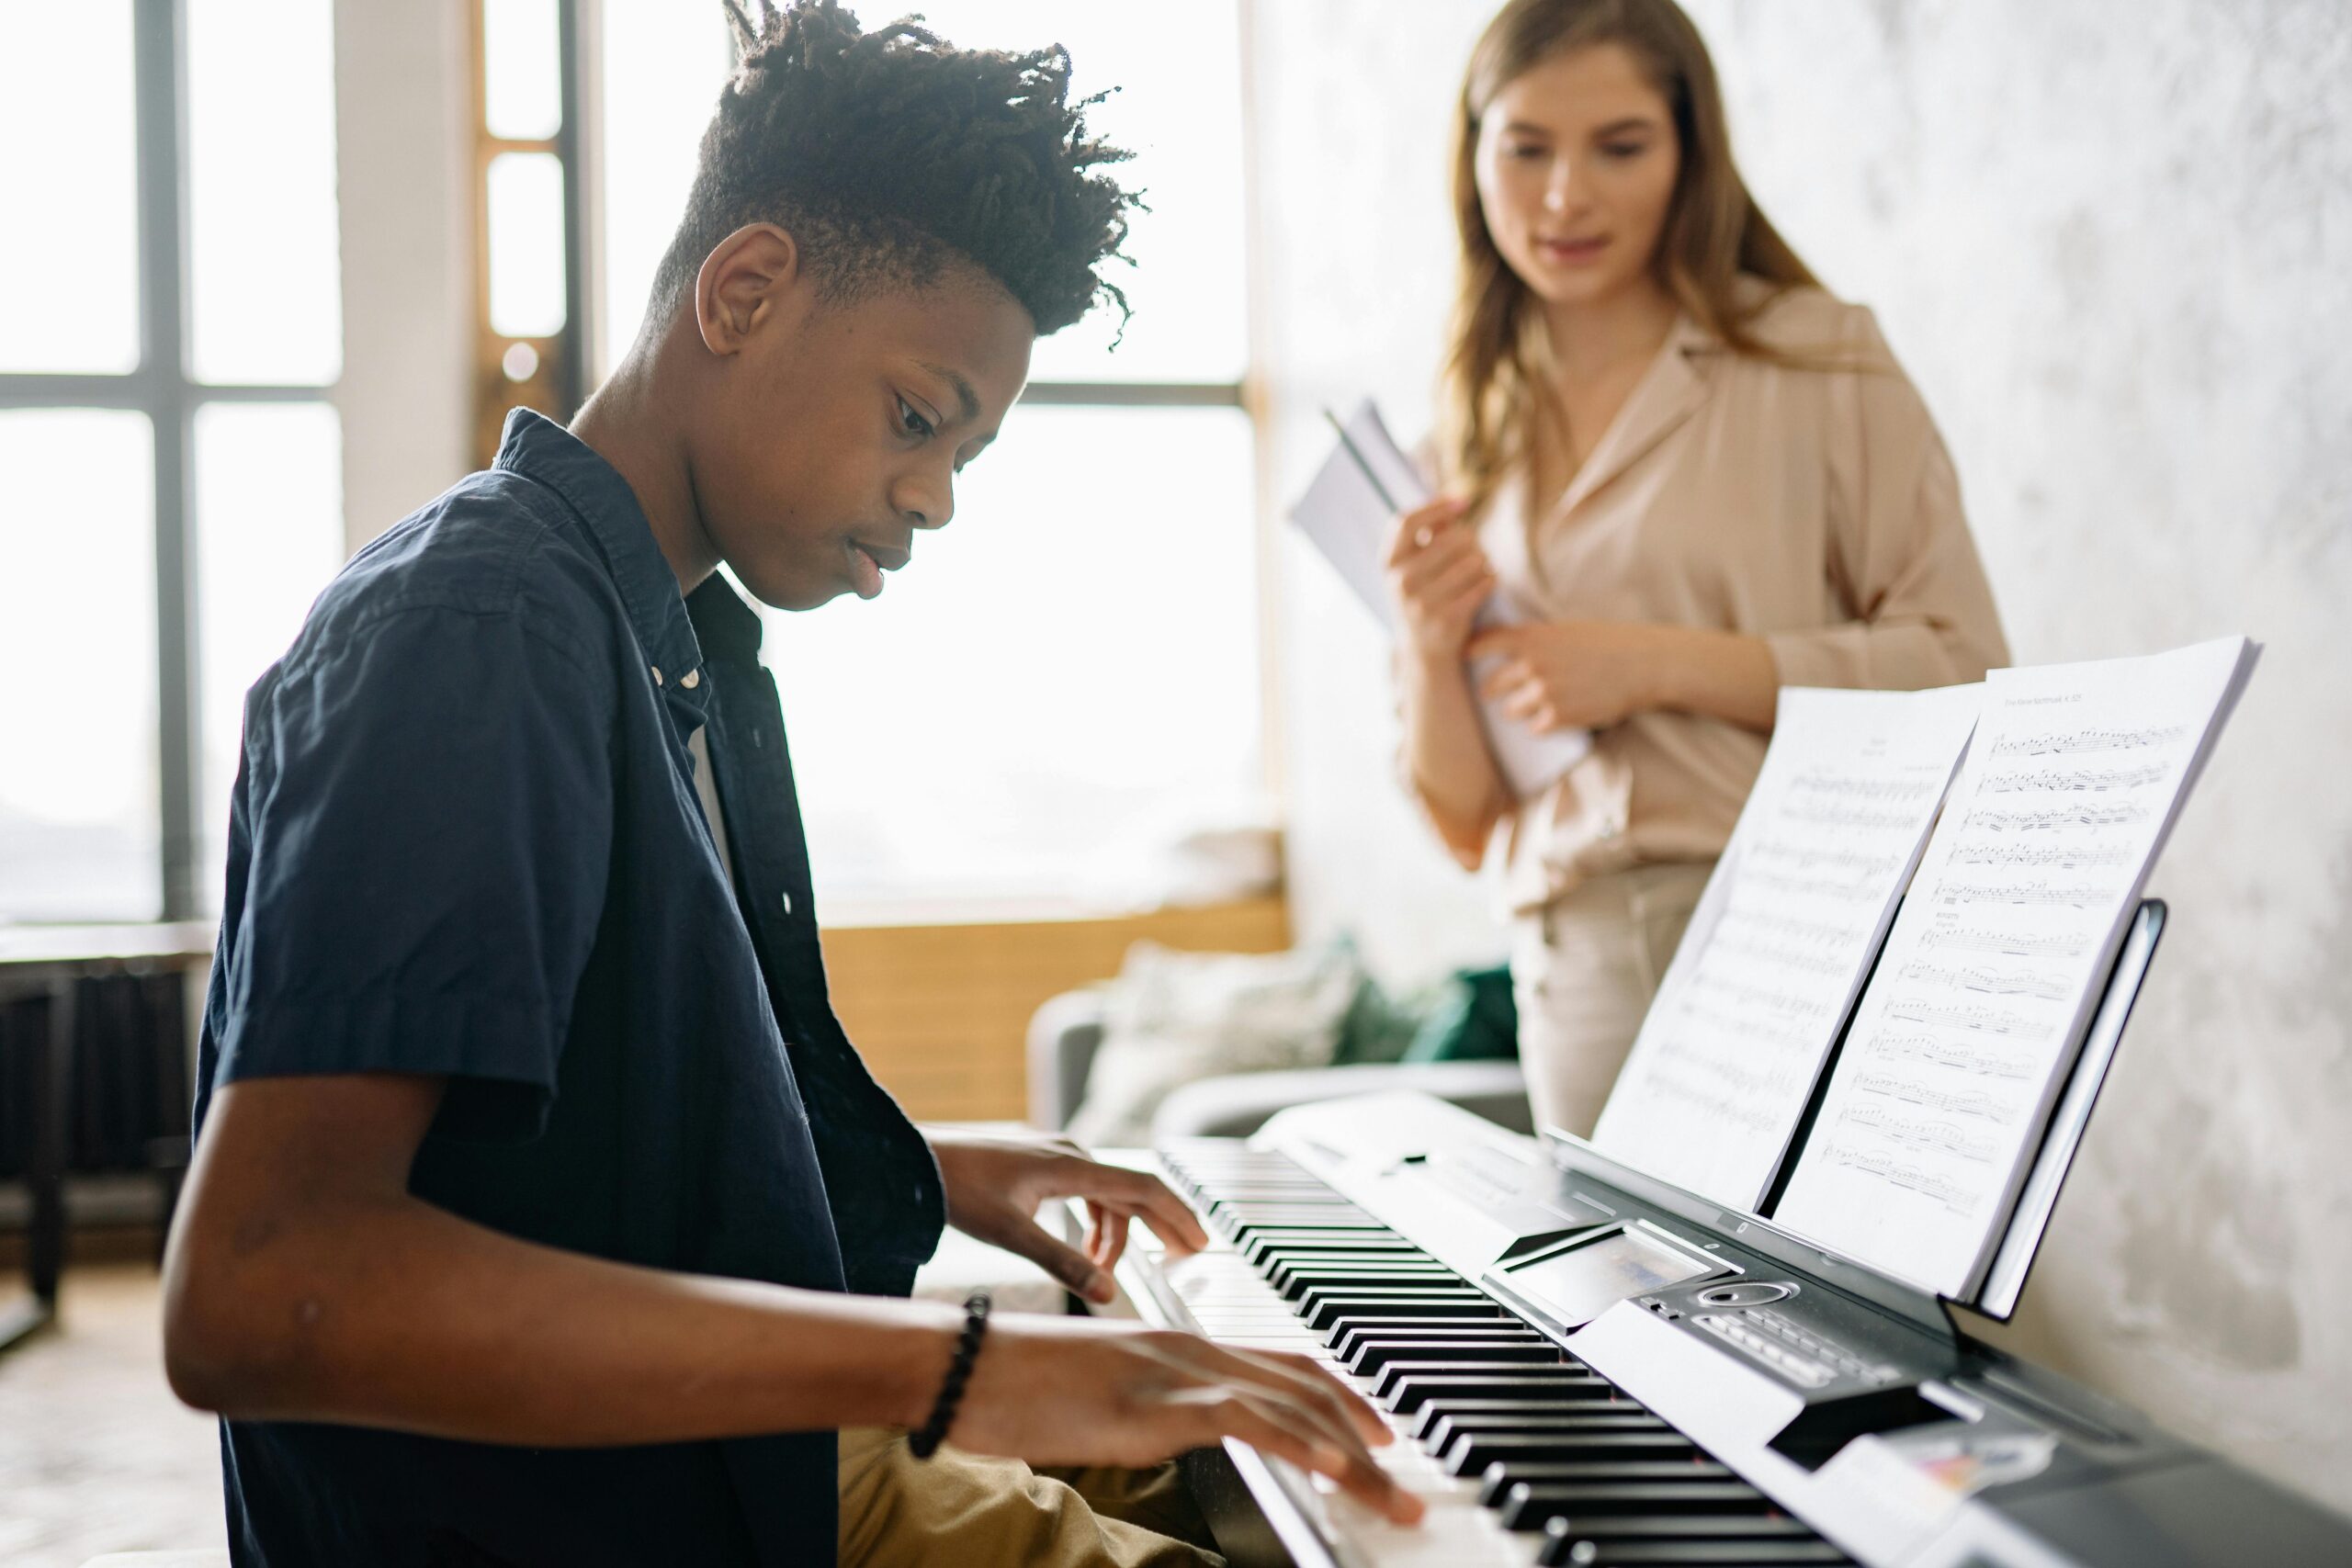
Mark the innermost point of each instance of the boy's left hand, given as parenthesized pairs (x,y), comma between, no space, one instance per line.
(996,1185)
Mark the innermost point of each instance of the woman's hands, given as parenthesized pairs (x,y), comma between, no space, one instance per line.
(995,1187)
(1572,674)
(1589,674)
(1439,576)
(1068,1391)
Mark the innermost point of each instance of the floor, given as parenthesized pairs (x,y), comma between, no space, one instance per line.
(95,1455)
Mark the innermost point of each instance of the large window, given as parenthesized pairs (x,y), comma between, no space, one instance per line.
(1068,676)
(170,323)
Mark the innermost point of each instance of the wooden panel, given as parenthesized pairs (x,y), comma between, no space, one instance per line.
(941,1013)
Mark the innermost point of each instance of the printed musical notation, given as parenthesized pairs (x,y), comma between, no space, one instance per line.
(1954,1196)
(2073,742)
(1978,1102)
(1990,981)
(1777,947)
(1909,1133)
(2038,891)
(1961,1056)
(1969,1016)
(2055,818)
(2073,781)
(2016,945)
(1953,1057)
(2057,857)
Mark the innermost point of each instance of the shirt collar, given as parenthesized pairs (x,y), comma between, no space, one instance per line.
(538,448)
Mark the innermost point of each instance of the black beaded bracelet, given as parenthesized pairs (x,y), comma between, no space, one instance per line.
(925,1443)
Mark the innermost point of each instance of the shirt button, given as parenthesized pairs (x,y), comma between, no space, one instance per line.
(657,674)
(787,903)
(690,680)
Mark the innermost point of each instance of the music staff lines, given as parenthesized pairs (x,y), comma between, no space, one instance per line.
(1886,1167)
(2041,891)
(2073,742)
(1975,1019)
(1981,1103)
(1991,982)
(1977,1061)
(2073,781)
(1910,1132)
(2054,818)
(2012,944)
(2061,857)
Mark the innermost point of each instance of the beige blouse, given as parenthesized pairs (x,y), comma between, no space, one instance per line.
(1815,509)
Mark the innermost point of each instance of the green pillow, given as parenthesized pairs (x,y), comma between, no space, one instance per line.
(1474,1021)
(1376,1027)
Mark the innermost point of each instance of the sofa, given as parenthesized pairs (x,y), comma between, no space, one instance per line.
(1065,1033)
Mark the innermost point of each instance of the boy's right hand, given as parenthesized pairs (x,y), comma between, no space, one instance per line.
(1071,1391)
(1439,577)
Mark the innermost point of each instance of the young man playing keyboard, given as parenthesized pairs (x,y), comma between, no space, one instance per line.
(540,1212)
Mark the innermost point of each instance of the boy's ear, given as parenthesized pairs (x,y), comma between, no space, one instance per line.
(745,284)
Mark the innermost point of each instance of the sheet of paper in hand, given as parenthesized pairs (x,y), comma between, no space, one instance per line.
(1346,513)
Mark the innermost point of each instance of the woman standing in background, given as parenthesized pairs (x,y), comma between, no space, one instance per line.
(1694,475)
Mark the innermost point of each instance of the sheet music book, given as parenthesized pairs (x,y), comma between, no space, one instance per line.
(1783,935)
(1957,1048)
(1345,512)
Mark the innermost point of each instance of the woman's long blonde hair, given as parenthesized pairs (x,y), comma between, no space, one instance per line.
(1714,232)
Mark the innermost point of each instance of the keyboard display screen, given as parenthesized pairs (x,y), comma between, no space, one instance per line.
(1581,1283)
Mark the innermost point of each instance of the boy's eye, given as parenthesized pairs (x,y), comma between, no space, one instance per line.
(912,421)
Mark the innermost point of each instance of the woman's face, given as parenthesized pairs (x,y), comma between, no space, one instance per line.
(1577,160)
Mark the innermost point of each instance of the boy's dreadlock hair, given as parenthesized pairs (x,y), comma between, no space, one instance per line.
(886,154)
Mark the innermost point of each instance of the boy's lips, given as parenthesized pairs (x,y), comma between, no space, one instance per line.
(868,562)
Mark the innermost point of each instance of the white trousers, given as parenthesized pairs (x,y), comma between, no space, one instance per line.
(1583,971)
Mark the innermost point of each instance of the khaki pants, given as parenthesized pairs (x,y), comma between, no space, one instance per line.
(957,1508)
(1583,972)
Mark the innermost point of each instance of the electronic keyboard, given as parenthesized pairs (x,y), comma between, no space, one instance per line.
(1586,1366)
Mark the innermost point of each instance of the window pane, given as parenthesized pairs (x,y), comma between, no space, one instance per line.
(663,66)
(1064,680)
(265,287)
(1179,107)
(69,188)
(526,244)
(522,90)
(268,535)
(78,783)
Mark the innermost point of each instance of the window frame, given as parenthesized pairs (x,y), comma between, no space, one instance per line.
(163,386)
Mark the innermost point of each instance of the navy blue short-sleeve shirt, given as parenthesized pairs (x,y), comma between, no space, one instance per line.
(465,841)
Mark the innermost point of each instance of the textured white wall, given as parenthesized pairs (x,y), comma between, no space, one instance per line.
(2114,246)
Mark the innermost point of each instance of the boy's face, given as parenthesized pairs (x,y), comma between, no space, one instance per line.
(836,428)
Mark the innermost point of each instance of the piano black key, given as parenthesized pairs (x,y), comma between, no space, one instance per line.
(1370,1358)
(1438,1410)
(1698,1553)
(1331,1312)
(1531,1507)
(1586,1542)
(1474,1453)
(1531,1384)
(1435,1293)
(1292,1284)
(1354,1334)
(1326,1261)
(1300,1242)
(1542,1422)
(1500,1480)
(1393,1377)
